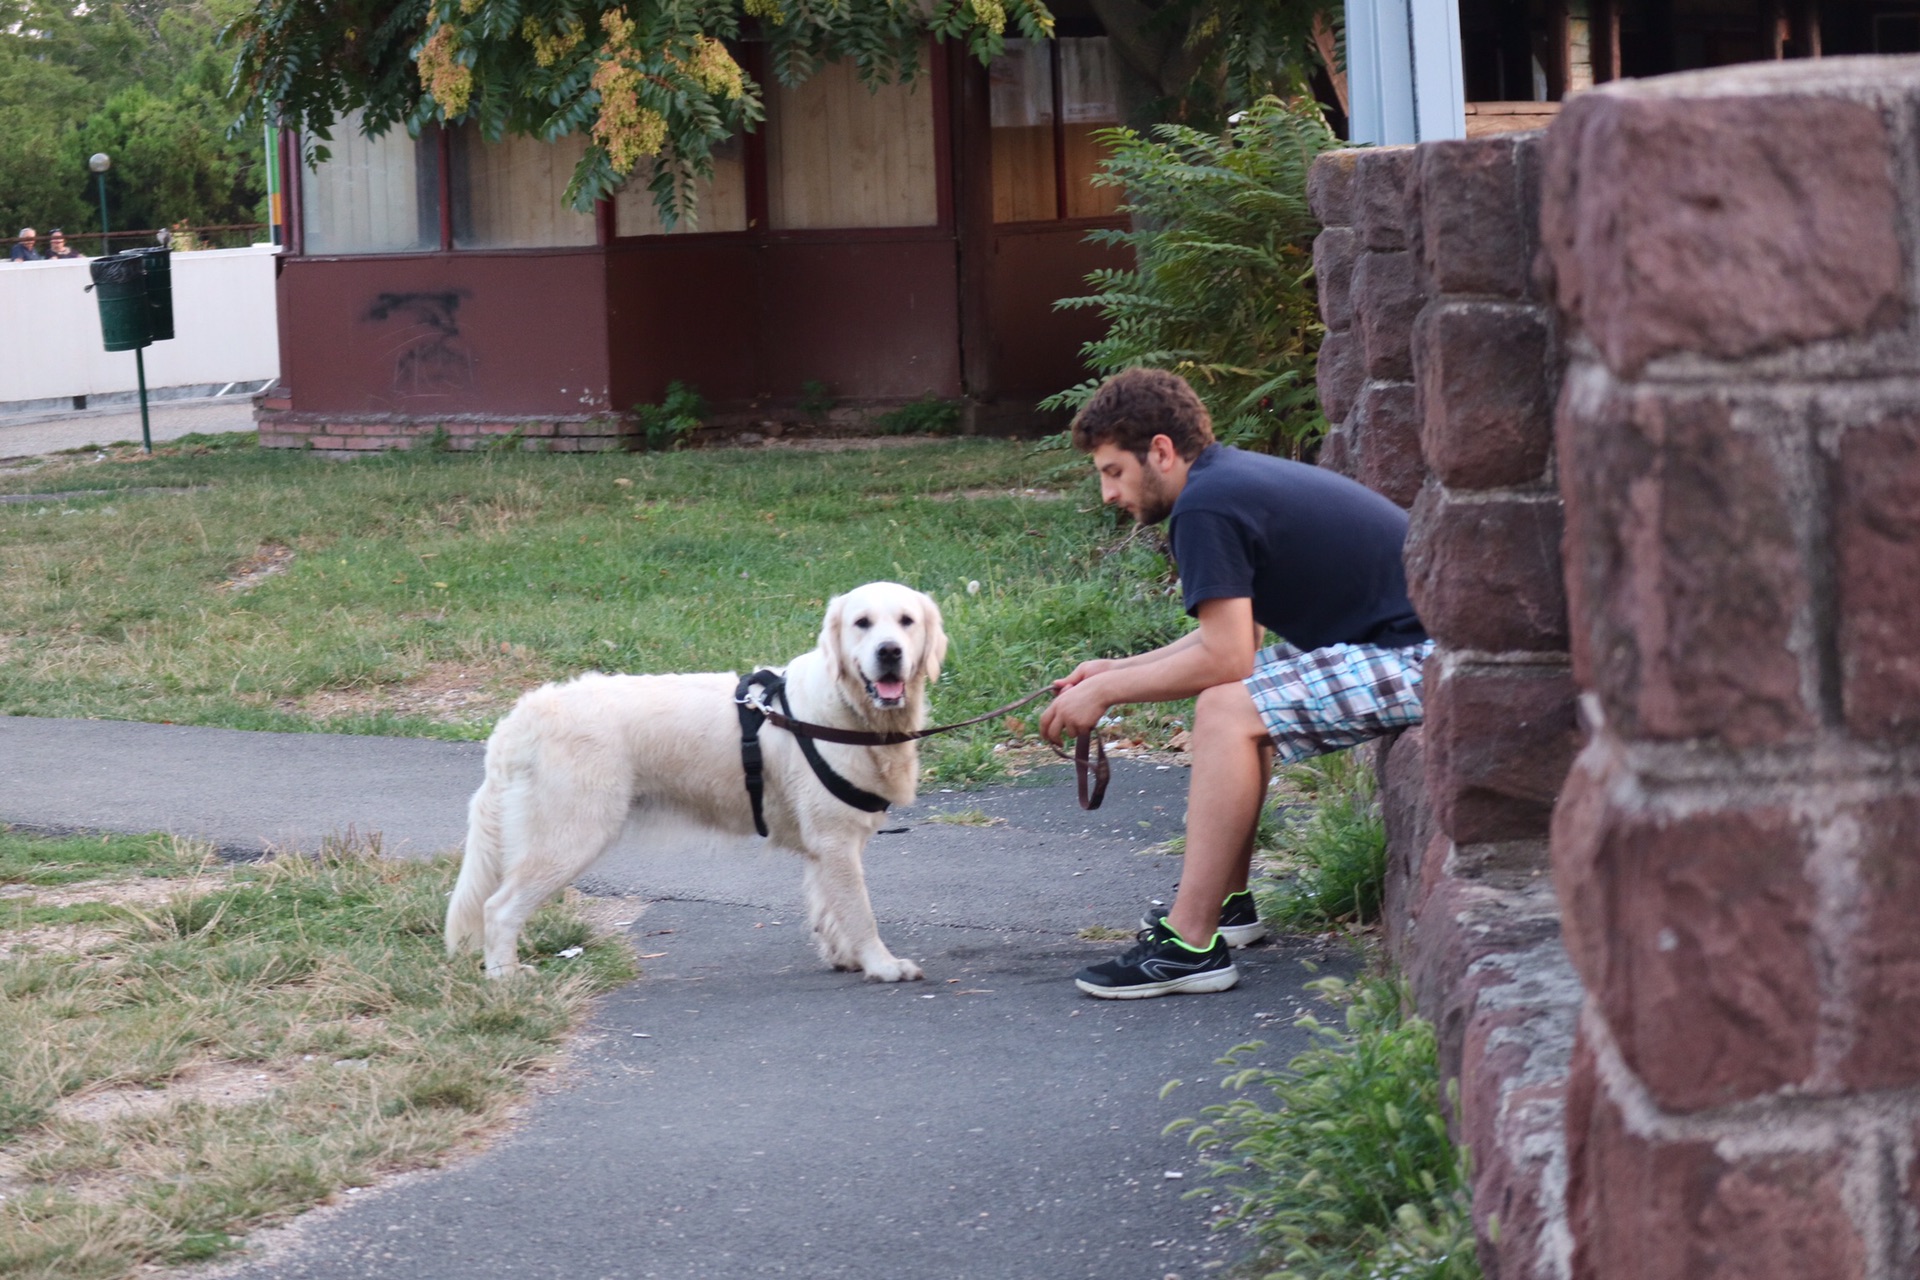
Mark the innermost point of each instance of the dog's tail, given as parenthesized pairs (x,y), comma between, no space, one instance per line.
(481,865)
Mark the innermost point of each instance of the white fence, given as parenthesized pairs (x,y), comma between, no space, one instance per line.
(223,316)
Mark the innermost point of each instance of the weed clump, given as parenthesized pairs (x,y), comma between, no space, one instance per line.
(1340,1166)
(1335,847)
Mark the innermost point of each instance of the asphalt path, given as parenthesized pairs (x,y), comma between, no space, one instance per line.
(740,1110)
(27,435)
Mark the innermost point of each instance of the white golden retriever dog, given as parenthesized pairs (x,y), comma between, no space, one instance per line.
(572,762)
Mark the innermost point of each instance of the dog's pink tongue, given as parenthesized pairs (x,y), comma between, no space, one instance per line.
(890,689)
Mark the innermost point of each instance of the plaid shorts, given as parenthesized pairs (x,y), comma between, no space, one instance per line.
(1334,698)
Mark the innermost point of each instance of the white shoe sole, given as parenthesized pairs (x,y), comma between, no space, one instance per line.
(1198,983)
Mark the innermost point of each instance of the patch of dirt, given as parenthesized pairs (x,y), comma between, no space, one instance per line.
(219,1084)
(270,559)
(142,892)
(464,692)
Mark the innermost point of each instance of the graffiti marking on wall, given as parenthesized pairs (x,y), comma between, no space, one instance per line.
(429,357)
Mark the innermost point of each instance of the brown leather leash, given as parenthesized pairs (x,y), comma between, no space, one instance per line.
(1088,743)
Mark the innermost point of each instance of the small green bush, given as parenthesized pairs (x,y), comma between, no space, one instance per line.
(1335,846)
(1340,1165)
(929,416)
(1222,288)
(678,415)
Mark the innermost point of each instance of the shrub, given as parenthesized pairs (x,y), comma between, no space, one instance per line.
(1222,288)
(677,416)
(1340,1165)
(929,416)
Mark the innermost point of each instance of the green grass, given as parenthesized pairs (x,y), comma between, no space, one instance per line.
(1332,848)
(317,987)
(1340,1166)
(417,572)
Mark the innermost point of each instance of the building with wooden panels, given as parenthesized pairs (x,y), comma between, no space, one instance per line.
(890,245)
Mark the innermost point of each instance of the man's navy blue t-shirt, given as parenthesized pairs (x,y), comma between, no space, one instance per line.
(1318,554)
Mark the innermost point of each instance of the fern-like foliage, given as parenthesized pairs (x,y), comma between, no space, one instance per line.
(1222,287)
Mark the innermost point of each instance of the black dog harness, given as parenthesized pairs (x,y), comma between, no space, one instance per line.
(753,712)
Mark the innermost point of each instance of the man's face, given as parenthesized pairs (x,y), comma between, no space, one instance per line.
(1139,488)
(57,243)
(28,239)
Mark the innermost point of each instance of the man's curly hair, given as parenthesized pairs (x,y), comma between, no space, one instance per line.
(1135,405)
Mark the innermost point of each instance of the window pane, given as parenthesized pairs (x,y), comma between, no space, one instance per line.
(1088,102)
(839,155)
(372,195)
(722,199)
(508,194)
(1020,110)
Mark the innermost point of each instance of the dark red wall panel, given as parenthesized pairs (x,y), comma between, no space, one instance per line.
(470,333)
(1035,350)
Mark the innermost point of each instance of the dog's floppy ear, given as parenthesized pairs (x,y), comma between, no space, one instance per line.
(830,633)
(936,654)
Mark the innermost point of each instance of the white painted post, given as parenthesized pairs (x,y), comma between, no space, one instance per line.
(1403,71)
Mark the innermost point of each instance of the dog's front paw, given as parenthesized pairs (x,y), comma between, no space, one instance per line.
(893,969)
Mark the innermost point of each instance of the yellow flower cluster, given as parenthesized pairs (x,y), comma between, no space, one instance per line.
(768,9)
(714,69)
(549,49)
(447,80)
(626,130)
(991,14)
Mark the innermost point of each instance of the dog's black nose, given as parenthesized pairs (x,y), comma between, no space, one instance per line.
(889,654)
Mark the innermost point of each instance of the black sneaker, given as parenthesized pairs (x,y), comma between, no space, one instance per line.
(1239,919)
(1160,964)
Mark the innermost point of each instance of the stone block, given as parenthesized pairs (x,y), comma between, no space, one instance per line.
(1657,1208)
(1469,226)
(1330,187)
(1380,197)
(1693,932)
(1876,532)
(1404,809)
(1486,374)
(1484,572)
(1466,930)
(1386,436)
(1727,224)
(1386,301)
(1335,251)
(1336,451)
(1883,943)
(1512,1113)
(1338,375)
(1499,743)
(1685,571)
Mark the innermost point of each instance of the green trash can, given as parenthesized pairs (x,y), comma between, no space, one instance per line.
(159,264)
(120,286)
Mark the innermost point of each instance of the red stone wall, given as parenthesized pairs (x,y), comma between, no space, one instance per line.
(1439,370)
(1737,851)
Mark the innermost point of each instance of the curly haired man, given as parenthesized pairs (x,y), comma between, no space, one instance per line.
(1267,550)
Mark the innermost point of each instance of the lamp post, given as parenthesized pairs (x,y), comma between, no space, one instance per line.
(99,163)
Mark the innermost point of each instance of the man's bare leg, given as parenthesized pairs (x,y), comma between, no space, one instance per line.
(1232,756)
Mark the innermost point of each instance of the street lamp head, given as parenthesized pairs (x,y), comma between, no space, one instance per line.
(99,162)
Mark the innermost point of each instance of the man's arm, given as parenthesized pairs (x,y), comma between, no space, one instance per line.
(1219,651)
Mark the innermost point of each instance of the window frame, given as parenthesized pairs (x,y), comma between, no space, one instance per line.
(936,73)
(1062,184)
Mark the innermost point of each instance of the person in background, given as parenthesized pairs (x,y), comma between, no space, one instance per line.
(57,246)
(23,249)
